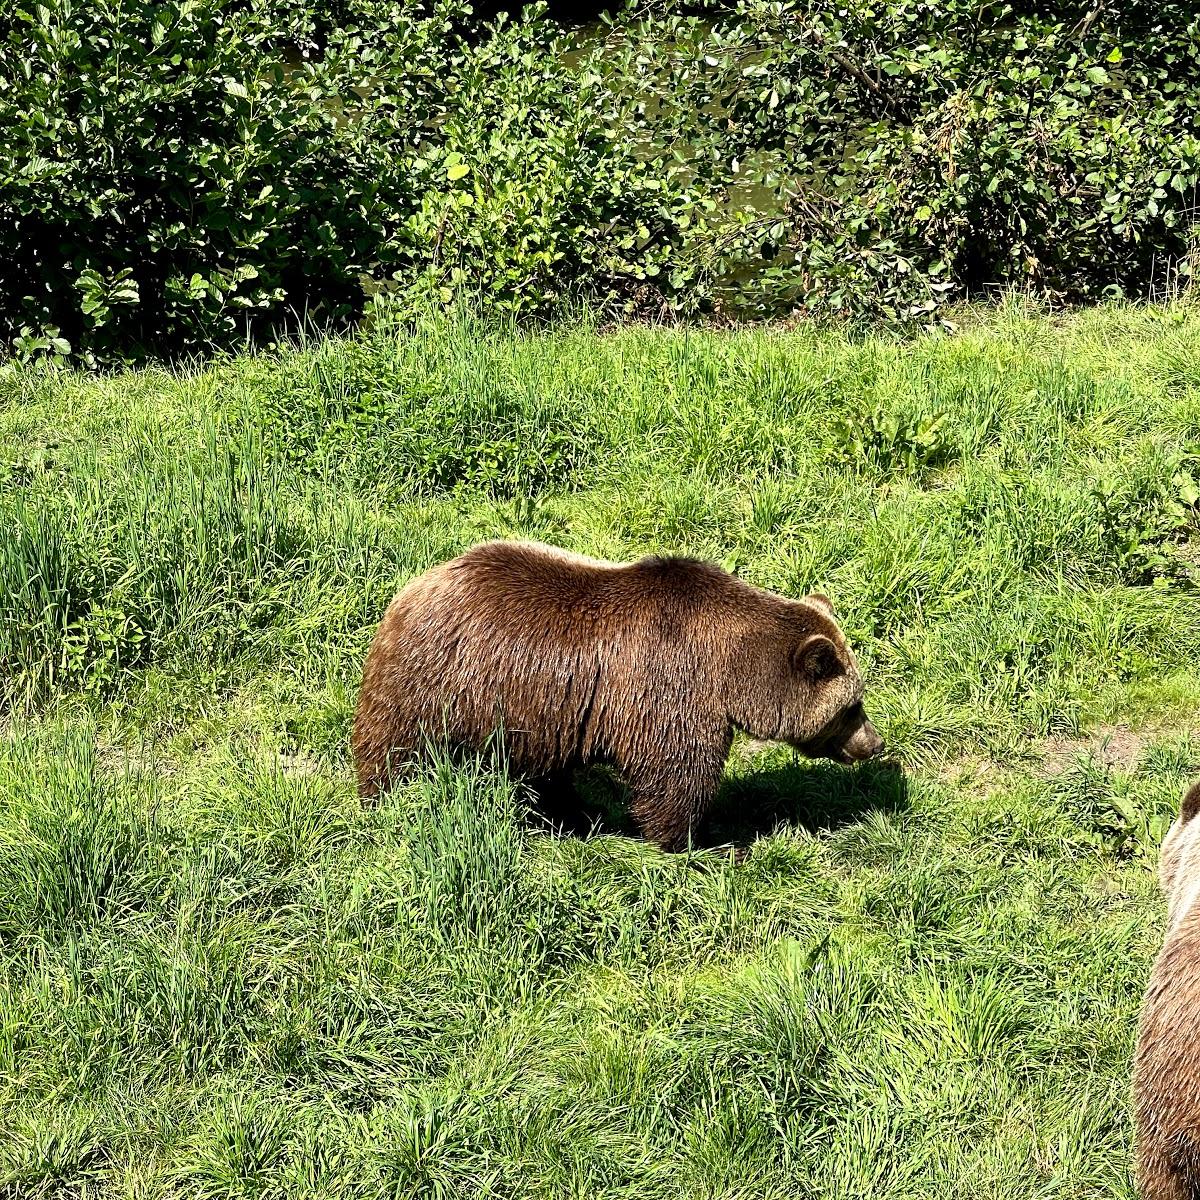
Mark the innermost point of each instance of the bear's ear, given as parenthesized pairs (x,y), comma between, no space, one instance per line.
(821,601)
(816,658)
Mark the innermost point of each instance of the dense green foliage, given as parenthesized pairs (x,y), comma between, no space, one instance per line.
(175,174)
(931,150)
(220,976)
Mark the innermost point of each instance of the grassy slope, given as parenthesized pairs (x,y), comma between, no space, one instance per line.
(221,977)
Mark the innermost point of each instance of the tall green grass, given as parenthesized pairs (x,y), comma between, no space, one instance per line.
(221,976)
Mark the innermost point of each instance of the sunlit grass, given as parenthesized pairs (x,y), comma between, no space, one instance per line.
(222,976)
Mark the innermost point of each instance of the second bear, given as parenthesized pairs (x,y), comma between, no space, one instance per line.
(1166,1084)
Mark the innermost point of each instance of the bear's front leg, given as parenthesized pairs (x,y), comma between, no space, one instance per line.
(667,805)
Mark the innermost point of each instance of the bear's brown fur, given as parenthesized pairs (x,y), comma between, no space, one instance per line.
(647,666)
(1166,1081)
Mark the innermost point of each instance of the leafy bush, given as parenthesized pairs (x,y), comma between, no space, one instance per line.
(175,174)
(164,178)
(925,152)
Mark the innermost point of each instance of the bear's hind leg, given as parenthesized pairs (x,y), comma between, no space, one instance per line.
(384,747)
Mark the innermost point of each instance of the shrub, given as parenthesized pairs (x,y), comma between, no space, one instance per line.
(178,173)
(925,152)
(166,176)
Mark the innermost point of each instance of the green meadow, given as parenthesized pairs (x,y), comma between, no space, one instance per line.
(222,976)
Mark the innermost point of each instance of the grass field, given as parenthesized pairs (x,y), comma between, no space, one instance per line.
(221,976)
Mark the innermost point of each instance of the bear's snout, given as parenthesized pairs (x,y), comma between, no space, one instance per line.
(852,740)
(863,743)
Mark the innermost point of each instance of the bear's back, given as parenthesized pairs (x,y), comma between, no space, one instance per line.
(573,656)
(524,583)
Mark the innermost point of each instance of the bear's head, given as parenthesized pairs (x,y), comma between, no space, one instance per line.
(1179,861)
(801,685)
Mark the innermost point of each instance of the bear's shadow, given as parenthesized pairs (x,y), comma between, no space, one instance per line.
(814,795)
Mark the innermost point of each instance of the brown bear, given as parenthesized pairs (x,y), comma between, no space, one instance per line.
(1166,1079)
(648,667)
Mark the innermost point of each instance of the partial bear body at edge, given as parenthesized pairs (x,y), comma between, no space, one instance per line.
(1167,1067)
